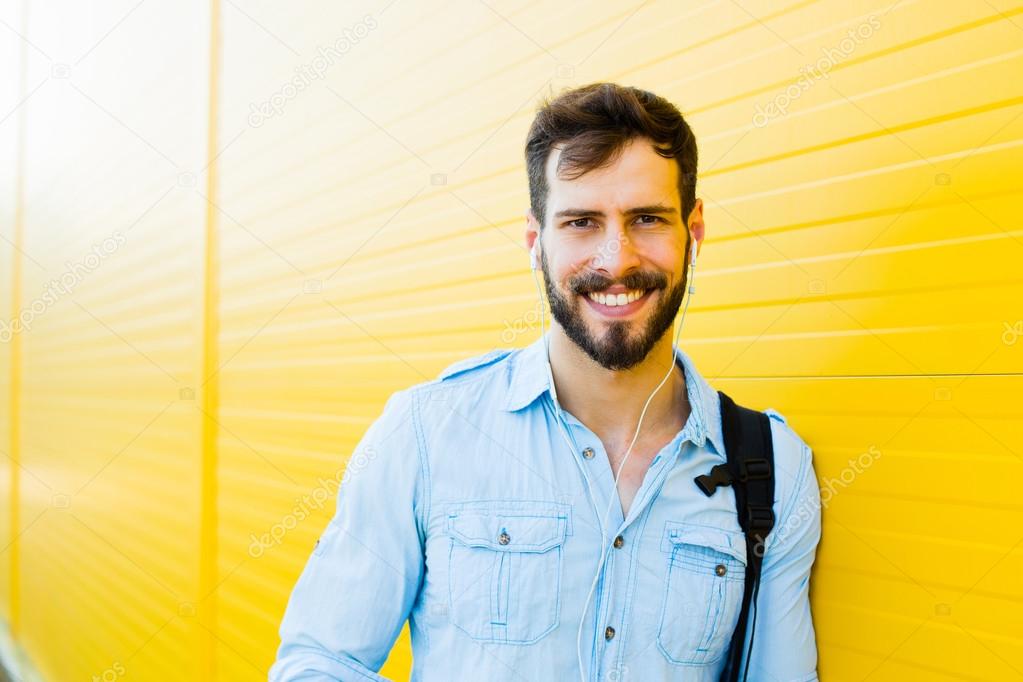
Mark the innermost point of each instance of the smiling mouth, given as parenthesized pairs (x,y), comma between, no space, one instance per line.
(618,305)
(615,300)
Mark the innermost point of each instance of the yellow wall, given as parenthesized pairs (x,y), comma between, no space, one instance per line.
(279,275)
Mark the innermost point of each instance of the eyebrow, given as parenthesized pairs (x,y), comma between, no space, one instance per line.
(638,210)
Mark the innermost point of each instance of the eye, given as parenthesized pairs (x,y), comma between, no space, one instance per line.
(577,221)
(653,219)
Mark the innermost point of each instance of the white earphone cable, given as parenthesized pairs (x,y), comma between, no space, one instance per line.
(563,430)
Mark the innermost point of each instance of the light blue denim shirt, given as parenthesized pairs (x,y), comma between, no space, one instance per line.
(464,511)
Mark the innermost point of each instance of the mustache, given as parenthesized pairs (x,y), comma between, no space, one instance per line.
(593,281)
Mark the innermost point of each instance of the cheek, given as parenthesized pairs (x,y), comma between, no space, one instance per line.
(563,273)
(674,269)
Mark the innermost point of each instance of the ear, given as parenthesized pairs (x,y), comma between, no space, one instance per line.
(532,231)
(695,224)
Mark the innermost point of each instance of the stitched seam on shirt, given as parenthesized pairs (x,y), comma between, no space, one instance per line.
(812,677)
(469,374)
(361,673)
(797,489)
(804,470)
(424,512)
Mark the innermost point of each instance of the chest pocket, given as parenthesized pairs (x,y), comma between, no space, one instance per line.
(703,592)
(504,569)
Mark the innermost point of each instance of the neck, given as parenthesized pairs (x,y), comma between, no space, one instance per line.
(610,402)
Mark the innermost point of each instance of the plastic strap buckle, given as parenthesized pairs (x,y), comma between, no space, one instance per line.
(754,469)
(759,519)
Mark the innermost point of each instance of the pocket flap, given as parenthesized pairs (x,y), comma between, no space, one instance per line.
(726,542)
(509,530)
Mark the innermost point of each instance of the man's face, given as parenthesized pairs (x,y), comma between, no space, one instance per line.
(616,230)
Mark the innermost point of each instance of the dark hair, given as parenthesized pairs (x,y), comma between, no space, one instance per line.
(593,123)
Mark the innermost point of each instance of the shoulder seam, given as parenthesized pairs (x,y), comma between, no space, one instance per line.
(474,362)
(789,505)
(424,468)
(802,472)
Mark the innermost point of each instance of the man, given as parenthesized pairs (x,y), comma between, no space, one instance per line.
(479,520)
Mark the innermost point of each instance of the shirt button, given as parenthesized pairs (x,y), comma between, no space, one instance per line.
(619,541)
(588,453)
(504,539)
(720,569)
(609,633)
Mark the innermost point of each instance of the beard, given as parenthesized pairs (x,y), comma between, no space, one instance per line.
(616,348)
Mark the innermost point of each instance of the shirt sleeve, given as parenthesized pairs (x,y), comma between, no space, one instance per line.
(784,643)
(358,586)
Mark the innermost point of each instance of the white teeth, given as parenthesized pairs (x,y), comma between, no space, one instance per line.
(615,300)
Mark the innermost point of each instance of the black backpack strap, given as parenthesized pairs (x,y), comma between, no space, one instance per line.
(750,453)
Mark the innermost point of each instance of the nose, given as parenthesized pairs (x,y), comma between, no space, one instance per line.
(616,255)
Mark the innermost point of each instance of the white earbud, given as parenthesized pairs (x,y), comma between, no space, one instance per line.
(532,257)
(692,267)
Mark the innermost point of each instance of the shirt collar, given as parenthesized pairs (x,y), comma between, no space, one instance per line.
(528,380)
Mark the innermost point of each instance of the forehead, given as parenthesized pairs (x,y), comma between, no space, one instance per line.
(639,176)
